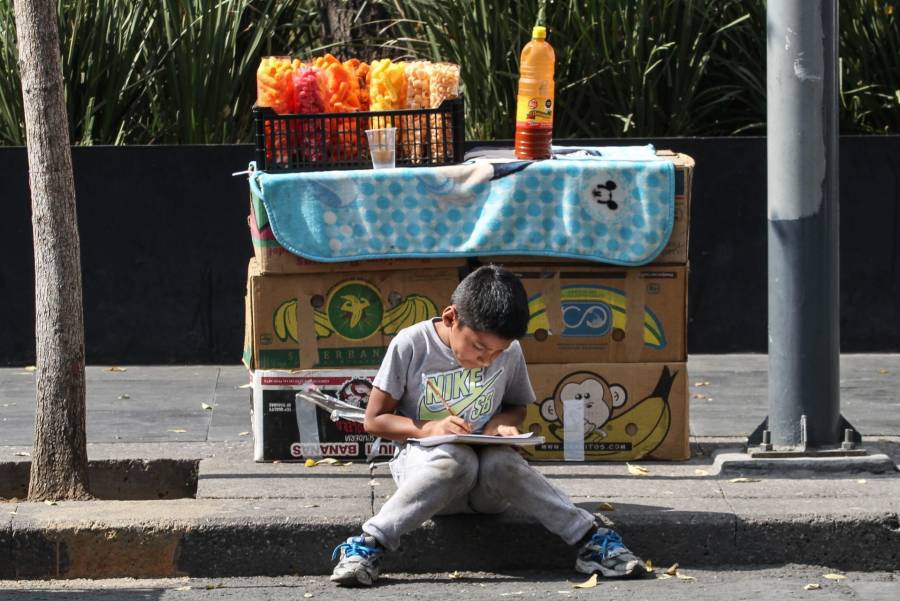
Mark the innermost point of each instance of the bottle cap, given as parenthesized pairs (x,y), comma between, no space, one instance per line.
(539,32)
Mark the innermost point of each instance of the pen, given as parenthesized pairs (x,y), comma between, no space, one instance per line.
(437,393)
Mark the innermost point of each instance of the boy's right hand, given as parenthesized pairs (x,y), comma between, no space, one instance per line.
(452,424)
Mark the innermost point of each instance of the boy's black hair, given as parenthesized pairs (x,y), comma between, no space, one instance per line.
(492,299)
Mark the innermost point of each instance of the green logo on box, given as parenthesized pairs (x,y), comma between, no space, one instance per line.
(355,310)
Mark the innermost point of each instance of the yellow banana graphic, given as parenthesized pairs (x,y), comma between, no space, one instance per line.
(284,320)
(413,309)
(654,336)
(323,326)
(644,426)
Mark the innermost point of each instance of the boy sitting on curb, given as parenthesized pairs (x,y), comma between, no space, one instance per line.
(470,354)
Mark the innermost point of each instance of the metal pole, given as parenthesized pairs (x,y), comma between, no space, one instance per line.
(804,332)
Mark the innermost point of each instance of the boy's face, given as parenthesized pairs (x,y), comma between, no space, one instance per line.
(473,349)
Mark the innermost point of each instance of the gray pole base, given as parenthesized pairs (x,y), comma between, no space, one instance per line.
(730,463)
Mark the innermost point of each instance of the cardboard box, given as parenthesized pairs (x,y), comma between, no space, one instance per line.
(676,251)
(287,429)
(274,258)
(585,314)
(609,412)
(336,319)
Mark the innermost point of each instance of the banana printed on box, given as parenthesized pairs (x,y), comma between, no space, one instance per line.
(623,411)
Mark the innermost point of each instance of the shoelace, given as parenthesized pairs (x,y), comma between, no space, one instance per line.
(610,542)
(354,547)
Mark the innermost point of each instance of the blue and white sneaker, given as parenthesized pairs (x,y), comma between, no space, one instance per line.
(360,561)
(605,554)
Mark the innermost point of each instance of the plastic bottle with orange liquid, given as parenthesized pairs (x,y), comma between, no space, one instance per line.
(535,103)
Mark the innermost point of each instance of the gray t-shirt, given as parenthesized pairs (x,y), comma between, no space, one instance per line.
(475,394)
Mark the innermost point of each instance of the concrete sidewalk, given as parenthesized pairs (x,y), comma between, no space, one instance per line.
(285,518)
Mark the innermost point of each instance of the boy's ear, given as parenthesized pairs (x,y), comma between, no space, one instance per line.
(448,315)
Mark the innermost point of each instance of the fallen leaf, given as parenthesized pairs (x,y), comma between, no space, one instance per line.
(31,368)
(206,406)
(884,371)
(248,385)
(310,463)
(309,506)
(699,384)
(743,480)
(701,472)
(49,502)
(698,395)
(374,483)
(861,481)
(673,569)
(117,368)
(455,575)
(123,397)
(812,587)
(243,433)
(649,565)
(636,470)
(589,583)
(307,595)
(182,588)
(211,587)
(605,507)
(511,594)
(328,461)
(564,592)
(835,576)
(23,454)
(662,576)
(177,430)
(685,577)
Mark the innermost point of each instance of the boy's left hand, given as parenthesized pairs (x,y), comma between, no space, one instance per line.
(500,430)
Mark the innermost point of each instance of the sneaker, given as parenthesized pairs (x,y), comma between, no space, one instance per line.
(605,554)
(360,561)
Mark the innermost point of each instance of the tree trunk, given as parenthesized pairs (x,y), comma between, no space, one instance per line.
(350,27)
(59,460)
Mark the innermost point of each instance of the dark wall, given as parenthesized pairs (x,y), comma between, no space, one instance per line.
(165,245)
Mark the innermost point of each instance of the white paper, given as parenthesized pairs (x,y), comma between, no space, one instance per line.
(526,439)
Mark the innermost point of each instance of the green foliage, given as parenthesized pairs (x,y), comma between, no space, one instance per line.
(183,71)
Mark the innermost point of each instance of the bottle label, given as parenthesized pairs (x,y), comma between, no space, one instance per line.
(534,111)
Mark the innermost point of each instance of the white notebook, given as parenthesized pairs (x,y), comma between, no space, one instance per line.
(520,440)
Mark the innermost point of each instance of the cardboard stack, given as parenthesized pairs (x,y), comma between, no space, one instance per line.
(607,350)
(606,346)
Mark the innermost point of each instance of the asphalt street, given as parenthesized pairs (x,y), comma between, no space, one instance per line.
(736,583)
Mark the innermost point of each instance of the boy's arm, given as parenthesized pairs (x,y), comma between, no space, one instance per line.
(382,421)
(506,421)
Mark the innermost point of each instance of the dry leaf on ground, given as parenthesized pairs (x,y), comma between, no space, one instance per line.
(182,588)
(49,502)
(649,565)
(701,472)
(206,406)
(177,430)
(211,587)
(685,577)
(743,480)
(835,576)
(861,481)
(247,385)
(812,587)
(117,368)
(124,397)
(30,368)
(589,583)
(243,433)
(307,595)
(23,454)
(605,507)
(455,575)
(328,461)
(636,470)
(673,569)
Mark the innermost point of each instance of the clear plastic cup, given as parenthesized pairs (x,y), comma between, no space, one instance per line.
(382,147)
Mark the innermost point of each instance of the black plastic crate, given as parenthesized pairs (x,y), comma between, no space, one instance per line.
(322,141)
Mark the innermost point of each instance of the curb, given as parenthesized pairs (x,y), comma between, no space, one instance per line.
(224,548)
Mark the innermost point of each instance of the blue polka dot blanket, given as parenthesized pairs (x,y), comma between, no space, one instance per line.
(613,205)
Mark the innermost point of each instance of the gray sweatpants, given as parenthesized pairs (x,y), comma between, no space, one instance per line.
(454,478)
